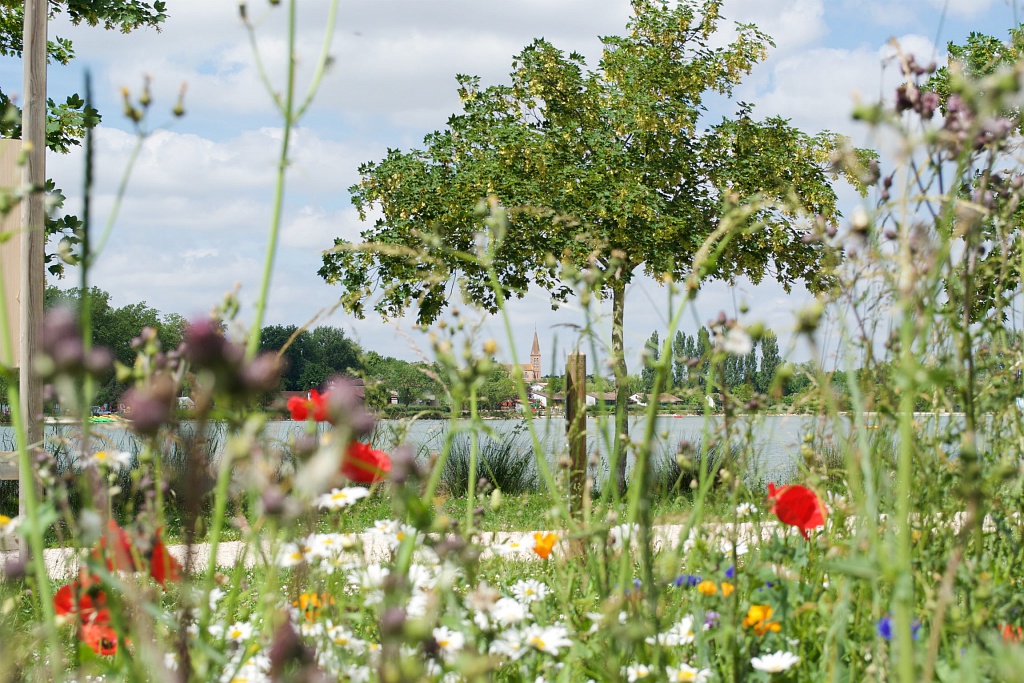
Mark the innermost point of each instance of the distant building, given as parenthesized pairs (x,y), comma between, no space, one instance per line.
(530,373)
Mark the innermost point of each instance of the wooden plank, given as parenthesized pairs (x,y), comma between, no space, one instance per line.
(8,466)
(576,425)
(33,222)
(10,250)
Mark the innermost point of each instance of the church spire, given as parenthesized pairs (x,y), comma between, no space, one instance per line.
(535,358)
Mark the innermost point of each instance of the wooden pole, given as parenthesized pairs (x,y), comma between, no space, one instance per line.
(33,262)
(10,273)
(576,425)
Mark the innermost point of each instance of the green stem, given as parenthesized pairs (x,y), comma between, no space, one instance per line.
(288,111)
(474,444)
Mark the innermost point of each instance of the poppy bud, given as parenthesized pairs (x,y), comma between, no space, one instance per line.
(204,344)
(99,360)
(263,374)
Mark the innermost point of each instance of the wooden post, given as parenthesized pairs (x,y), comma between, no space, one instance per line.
(576,426)
(10,271)
(33,236)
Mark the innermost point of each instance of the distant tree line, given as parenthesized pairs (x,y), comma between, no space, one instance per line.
(311,356)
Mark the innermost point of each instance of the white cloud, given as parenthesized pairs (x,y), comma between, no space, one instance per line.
(962,8)
(817,88)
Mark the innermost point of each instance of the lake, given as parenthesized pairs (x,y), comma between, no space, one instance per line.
(774,439)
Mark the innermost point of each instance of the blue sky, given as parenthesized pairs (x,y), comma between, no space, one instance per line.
(196,217)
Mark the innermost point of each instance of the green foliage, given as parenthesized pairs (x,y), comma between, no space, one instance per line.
(498,388)
(651,353)
(311,357)
(770,361)
(413,382)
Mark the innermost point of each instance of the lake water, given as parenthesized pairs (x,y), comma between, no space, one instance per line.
(774,440)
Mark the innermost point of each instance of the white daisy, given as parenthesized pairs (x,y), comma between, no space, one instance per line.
(114,460)
(239,632)
(215,596)
(355,673)
(342,637)
(775,662)
(247,673)
(508,611)
(681,633)
(746,510)
(636,672)
(549,639)
(510,643)
(370,578)
(530,590)
(9,525)
(511,547)
(292,554)
(684,673)
(449,641)
(619,536)
(341,498)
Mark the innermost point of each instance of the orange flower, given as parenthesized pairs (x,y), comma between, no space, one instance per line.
(1012,634)
(758,617)
(707,587)
(727,588)
(543,543)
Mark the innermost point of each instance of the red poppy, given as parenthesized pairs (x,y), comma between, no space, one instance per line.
(365,464)
(76,598)
(797,506)
(162,566)
(301,408)
(101,638)
(115,548)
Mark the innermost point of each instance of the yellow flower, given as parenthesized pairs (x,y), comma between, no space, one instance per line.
(727,588)
(759,617)
(707,587)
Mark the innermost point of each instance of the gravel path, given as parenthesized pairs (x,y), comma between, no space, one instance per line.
(62,563)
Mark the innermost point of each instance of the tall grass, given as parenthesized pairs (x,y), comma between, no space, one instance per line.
(505,464)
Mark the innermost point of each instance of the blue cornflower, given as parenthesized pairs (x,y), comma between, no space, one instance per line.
(687,581)
(884,628)
(730,572)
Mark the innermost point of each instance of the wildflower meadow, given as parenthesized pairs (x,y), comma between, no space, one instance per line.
(893,550)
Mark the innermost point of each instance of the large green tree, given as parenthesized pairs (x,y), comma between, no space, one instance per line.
(613,169)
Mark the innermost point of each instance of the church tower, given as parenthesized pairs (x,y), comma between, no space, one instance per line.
(535,358)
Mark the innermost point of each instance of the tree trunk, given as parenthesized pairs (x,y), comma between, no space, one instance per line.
(619,450)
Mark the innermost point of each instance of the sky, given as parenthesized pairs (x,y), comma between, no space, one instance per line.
(195,220)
